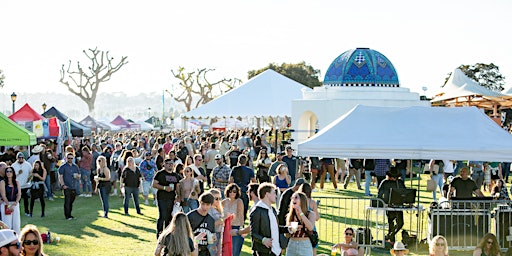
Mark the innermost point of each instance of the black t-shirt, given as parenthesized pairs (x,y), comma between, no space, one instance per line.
(233,158)
(131,178)
(165,178)
(464,188)
(201,224)
(401,164)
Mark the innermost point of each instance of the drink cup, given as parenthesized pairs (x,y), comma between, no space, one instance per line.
(171,186)
(333,252)
(294,226)
(210,238)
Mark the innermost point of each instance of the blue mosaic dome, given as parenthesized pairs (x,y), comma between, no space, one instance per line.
(361,67)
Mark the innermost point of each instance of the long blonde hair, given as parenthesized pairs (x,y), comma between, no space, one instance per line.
(217,194)
(178,231)
(101,162)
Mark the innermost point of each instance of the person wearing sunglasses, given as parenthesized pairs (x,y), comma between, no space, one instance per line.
(438,246)
(31,240)
(11,195)
(488,246)
(9,243)
(349,247)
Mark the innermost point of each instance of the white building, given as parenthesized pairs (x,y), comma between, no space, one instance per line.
(359,76)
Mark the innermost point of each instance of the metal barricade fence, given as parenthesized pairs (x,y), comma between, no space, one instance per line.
(366,216)
(464,222)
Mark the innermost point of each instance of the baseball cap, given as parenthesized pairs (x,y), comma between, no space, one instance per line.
(147,154)
(218,156)
(7,236)
(289,147)
(20,154)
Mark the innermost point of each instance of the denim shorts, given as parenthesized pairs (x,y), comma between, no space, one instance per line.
(299,248)
(146,186)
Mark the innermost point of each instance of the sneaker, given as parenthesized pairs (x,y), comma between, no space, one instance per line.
(50,198)
(315,190)
(27,214)
(146,202)
(154,202)
(70,218)
(140,213)
(82,195)
(88,195)
(42,215)
(126,214)
(336,189)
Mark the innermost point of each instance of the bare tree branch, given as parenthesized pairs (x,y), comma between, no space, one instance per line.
(85,85)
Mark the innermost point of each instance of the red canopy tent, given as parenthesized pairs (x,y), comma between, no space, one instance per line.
(25,114)
(121,122)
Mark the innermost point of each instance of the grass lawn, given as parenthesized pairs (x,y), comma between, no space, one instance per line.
(90,234)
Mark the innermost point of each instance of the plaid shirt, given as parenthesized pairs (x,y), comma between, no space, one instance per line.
(382,166)
(221,173)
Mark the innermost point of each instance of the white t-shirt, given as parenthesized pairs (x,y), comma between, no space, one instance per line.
(448,167)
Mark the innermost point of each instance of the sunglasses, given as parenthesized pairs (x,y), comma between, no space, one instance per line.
(217,198)
(349,234)
(9,171)
(29,242)
(70,158)
(17,245)
(188,171)
(233,191)
(439,244)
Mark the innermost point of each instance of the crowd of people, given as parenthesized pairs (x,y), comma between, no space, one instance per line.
(212,177)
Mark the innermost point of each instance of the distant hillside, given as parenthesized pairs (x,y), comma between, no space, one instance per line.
(108,105)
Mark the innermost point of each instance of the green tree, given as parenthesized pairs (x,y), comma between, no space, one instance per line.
(198,89)
(300,72)
(86,83)
(487,75)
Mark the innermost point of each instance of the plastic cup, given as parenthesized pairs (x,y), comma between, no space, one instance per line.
(334,252)
(210,238)
(294,226)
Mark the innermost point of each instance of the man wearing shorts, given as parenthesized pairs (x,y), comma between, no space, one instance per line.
(148,169)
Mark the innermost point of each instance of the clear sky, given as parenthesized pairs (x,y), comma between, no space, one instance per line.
(424,40)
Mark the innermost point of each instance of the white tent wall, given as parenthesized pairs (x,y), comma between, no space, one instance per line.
(267,94)
(463,133)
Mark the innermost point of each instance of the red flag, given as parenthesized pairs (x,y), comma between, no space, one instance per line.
(227,241)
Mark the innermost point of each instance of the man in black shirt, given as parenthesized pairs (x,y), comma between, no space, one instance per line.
(202,222)
(392,181)
(166,181)
(464,186)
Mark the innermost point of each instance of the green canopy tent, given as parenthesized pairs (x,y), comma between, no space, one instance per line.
(11,134)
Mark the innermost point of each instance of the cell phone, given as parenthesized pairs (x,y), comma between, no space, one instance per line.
(318,202)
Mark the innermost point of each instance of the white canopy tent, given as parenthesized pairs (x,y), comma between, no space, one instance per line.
(463,133)
(267,94)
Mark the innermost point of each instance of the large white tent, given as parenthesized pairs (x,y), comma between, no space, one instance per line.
(463,133)
(267,94)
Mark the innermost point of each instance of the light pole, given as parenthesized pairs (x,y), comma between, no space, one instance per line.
(13,98)
(149,112)
(44,107)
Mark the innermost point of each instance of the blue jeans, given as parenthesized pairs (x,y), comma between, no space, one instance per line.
(505,169)
(104,199)
(439,179)
(164,214)
(238,242)
(47,184)
(368,181)
(131,192)
(192,204)
(85,178)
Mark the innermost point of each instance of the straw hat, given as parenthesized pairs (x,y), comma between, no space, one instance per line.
(399,246)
